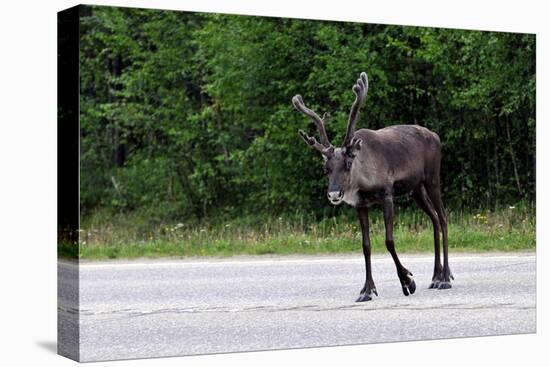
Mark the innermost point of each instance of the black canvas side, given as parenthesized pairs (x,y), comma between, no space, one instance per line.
(68,216)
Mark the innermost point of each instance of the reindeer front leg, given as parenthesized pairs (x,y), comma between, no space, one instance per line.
(369,289)
(405,277)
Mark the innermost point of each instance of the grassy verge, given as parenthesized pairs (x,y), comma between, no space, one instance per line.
(107,236)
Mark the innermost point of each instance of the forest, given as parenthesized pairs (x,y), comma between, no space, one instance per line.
(187,122)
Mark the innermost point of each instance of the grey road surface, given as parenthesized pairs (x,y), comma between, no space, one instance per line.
(144,308)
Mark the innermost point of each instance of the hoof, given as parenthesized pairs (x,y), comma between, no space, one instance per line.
(444,285)
(409,288)
(366,296)
(363,298)
(434,284)
(412,286)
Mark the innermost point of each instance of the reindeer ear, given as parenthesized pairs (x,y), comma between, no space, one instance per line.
(354,147)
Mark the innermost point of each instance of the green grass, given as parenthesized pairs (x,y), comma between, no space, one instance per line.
(106,235)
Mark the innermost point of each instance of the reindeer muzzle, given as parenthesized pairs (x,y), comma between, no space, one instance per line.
(335,197)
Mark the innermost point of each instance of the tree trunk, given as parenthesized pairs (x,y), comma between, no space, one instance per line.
(186,187)
(488,163)
(119,147)
(512,155)
(496,161)
(219,124)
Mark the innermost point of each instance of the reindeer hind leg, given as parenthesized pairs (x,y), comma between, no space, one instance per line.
(420,196)
(434,193)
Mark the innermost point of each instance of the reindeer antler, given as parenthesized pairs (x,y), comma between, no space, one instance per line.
(311,141)
(360,89)
(298,102)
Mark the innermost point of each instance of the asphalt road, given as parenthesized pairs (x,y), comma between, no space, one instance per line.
(159,308)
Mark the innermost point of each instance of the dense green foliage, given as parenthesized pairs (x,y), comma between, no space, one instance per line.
(187,116)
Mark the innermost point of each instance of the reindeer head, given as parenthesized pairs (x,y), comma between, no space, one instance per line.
(338,161)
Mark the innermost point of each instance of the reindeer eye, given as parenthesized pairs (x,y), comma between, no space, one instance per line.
(326,170)
(349,162)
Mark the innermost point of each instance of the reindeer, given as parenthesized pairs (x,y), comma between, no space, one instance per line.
(374,166)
